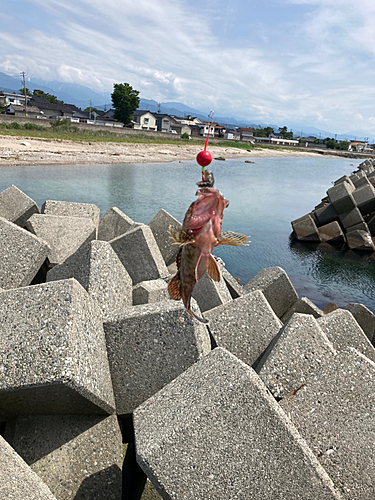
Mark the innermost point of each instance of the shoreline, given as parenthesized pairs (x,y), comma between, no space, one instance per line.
(43,151)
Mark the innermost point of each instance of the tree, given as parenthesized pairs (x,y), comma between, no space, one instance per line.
(49,97)
(125,101)
(22,91)
(284,132)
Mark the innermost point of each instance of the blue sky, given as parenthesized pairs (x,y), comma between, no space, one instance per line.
(290,62)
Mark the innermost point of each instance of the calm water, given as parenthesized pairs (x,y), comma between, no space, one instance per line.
(264,197)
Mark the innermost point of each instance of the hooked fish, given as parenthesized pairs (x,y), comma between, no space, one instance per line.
(200,233)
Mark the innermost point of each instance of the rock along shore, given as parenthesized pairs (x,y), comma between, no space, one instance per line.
(110,390)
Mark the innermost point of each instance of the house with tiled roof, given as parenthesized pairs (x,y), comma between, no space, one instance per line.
(51,109)
(19,110)
(246,134)
(143,120)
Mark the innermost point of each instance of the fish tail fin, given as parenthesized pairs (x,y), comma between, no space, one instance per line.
(193,315)
(213,269)
(233,239)
(179,236)
(174,287)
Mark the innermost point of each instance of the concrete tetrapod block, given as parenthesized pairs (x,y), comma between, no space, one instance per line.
(244,326)
(21,255)
(70,209)
(325,214)
(341,197)
(98,269)
(334,413)
(362,226)
(215,432)
(350,218)
(63,234)
(54,358)
(359,179)
(365,318)
(114,223)
(344,178)
(16,206)
(297,353)
(370,221)
(17,480)
(147,292)
(360,240)
(209,293)
(343,331)
(235,288)
(305,228)
(140,254)
(331,233)
(277,288)
(303,306)
(365,199)
(159,226)
(77,456)
(150,345)
(366,166)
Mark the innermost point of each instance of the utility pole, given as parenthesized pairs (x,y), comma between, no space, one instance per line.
(159,108)
(24,90)
(90,107)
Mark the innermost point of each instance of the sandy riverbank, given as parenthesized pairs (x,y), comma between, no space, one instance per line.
(56,151)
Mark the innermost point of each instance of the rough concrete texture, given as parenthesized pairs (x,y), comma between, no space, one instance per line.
(98,269)
(360,240)
(54,358)
(21,255)
(65,235)
(150,345)
(361,226)
(365,318)
(334,413)
(346,179)
(233,284)
(359,179)
(305,228)
(298,352)
(69,209)
(244,326)
(215,432)
(341,197)
(209,293)
(140,254)
(77,456)
(276,287)
(365,199)
(147,292)
(303,306)
(114,223)
(16,206)
(370,221)
(348,219)
(159,226)
(332,233)
(343,331)
(325,214)
(17,480)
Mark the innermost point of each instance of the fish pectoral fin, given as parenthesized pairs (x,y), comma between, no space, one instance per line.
(232,239)
(174,287)
(213,269)
(179,236)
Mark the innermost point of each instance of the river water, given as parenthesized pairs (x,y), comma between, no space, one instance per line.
(265,196)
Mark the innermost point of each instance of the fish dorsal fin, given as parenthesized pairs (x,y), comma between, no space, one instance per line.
(233,239)
(174,287)
(213,269)
(179,236)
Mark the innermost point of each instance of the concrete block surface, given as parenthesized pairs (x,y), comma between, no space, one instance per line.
(341,197)
(365,318)
(114,223)
(276,287)
(16,206)
(298,352)
(244,326)
(325,214)
(360,240)
(305,228)
(332,233)
(98,269)
(140,254)
(70,209)
(209,293)
(17,480)
(150,345)
(303,306)
(344,332)
(350,218)
(334,414)
(365,199)
(54,353)
(147,292)
(77,456)
(233,284)
(21,255)
(159,226)
(215,432)
(65,235)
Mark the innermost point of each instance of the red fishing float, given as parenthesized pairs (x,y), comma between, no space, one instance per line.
(204,158)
